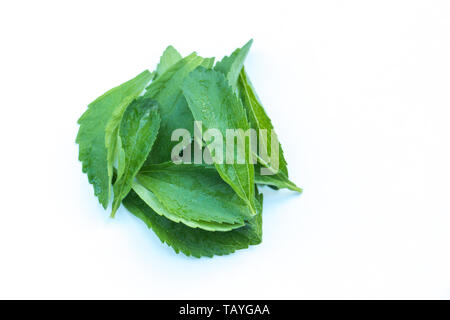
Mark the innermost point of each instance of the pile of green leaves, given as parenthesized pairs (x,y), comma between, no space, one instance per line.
(125,145)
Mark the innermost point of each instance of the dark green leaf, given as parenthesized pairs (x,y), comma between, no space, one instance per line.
(196,242)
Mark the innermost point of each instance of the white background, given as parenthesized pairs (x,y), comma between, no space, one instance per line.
(357,90)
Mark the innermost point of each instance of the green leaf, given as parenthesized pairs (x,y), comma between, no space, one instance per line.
(192,194)
(152,200)
(257,115)
(169,57)
(196,242)
(212,101)
(138,131)
(234,70)
(279,180)
(172,106)
(231,66)
(97,136)
(208,63)
(259,120)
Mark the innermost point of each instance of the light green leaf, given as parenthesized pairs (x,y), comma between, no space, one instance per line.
(234,70)
(138,130)
(192,194)
(112,129)
(259,120)
(257,116)
(279,180)
(97,136)
(172,106)
(208,63)
(231,66)
(169,57)
(196,242)
(213,102)
(152,200)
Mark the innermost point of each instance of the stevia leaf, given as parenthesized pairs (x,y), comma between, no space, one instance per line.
(212,101)
(279,180)
(112,131)
(259,120)
(97,135)
(231,66)
(208,63)
(195,242)
(257,116)
(138,130)
(151,200)
(172,105)
(234,70)
(192,194)
(169,57)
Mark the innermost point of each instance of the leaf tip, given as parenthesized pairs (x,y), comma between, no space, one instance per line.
(115,206)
